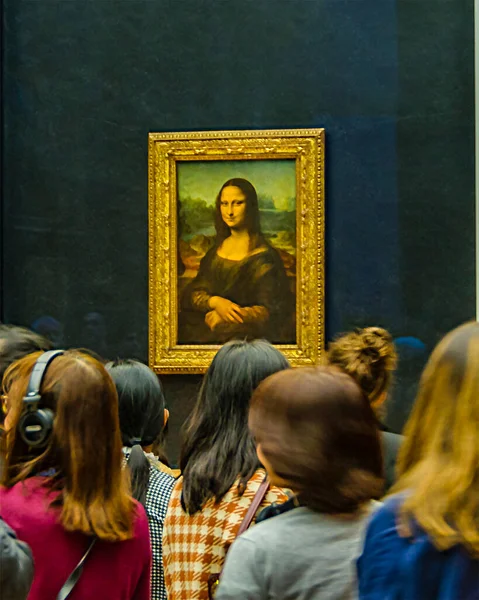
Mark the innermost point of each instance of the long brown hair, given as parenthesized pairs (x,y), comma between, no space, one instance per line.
(438,463)
(318,432)
(83,456)
(368,356)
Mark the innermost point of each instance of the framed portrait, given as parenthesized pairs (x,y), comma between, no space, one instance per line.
(236,244)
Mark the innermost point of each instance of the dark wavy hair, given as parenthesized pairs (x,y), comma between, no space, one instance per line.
(318,433)
(253,224)
(218,447)
(141,406)
(17,342)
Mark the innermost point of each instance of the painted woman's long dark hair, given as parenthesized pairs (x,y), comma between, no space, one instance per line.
(218,447)
(253,224)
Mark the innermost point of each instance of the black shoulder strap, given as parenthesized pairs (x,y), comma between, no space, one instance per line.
(71,582)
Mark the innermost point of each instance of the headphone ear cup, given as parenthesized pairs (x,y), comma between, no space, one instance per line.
(35,427)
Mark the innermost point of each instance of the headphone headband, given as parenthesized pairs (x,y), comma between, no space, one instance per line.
(36,424)
(38,373)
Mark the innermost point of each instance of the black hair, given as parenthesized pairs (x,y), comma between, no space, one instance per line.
(141,405)
(139,472)
(17,342)
(252,219)
(218,447)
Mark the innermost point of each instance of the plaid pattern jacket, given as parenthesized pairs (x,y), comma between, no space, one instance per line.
(195,545)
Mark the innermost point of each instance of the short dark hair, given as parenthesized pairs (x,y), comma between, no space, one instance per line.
(318,432)
(218,447)
(17,342)
(253,224)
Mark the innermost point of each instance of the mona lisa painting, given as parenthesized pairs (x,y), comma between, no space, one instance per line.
(236,244)
(237,247)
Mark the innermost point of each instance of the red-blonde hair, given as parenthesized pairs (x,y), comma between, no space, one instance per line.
(83,455)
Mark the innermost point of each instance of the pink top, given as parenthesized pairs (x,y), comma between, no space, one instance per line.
(112,571)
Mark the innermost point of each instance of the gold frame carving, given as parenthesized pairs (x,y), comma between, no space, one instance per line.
(306,146)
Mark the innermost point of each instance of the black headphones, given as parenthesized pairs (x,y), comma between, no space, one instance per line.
(36,424)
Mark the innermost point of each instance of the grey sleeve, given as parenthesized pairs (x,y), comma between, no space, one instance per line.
(391,445)
(16,566)
(243,576)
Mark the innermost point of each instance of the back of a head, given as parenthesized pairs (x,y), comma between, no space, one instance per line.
(17,342)
(318,433)
(141,406)
(438,463)
(368,355)
(141,402)
(217,444)
(84,449)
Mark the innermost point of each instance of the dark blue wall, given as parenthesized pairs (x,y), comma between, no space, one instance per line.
(392,83)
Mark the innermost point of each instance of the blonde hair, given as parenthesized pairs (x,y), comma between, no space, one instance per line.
(368,356)
(438,463)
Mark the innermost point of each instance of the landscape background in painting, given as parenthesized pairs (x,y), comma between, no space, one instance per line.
(198,185)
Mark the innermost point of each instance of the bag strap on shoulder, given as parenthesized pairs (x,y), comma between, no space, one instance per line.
(253,509)
(72,580)
(214,578)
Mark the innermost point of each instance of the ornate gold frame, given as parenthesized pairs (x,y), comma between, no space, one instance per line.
(306,146)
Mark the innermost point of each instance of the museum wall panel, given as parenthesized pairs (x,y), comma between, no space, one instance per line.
(391,82)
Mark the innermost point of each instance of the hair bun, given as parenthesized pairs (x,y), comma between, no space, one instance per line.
(370,351)
(368,355)
(377,344)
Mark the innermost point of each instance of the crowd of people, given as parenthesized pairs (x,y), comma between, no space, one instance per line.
(289,485)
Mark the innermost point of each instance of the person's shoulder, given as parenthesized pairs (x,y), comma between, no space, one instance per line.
(139,544)
(175,473)
(275,495)
(140,521)
(175,513)
(210,254)
(273,531)
(262,260)
(265,531)
(391,504)
(27,490)
(264,252)
(393,440)
(139,512)
(385,516)
(161,477)
(177,488)
(160,487)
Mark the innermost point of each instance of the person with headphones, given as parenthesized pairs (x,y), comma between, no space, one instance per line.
(64,490)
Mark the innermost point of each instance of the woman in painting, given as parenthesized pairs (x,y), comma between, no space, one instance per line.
(241,289)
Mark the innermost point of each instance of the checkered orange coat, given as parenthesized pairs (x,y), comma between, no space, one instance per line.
(195,545)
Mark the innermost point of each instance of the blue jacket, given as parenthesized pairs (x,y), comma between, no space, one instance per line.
(397,568)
